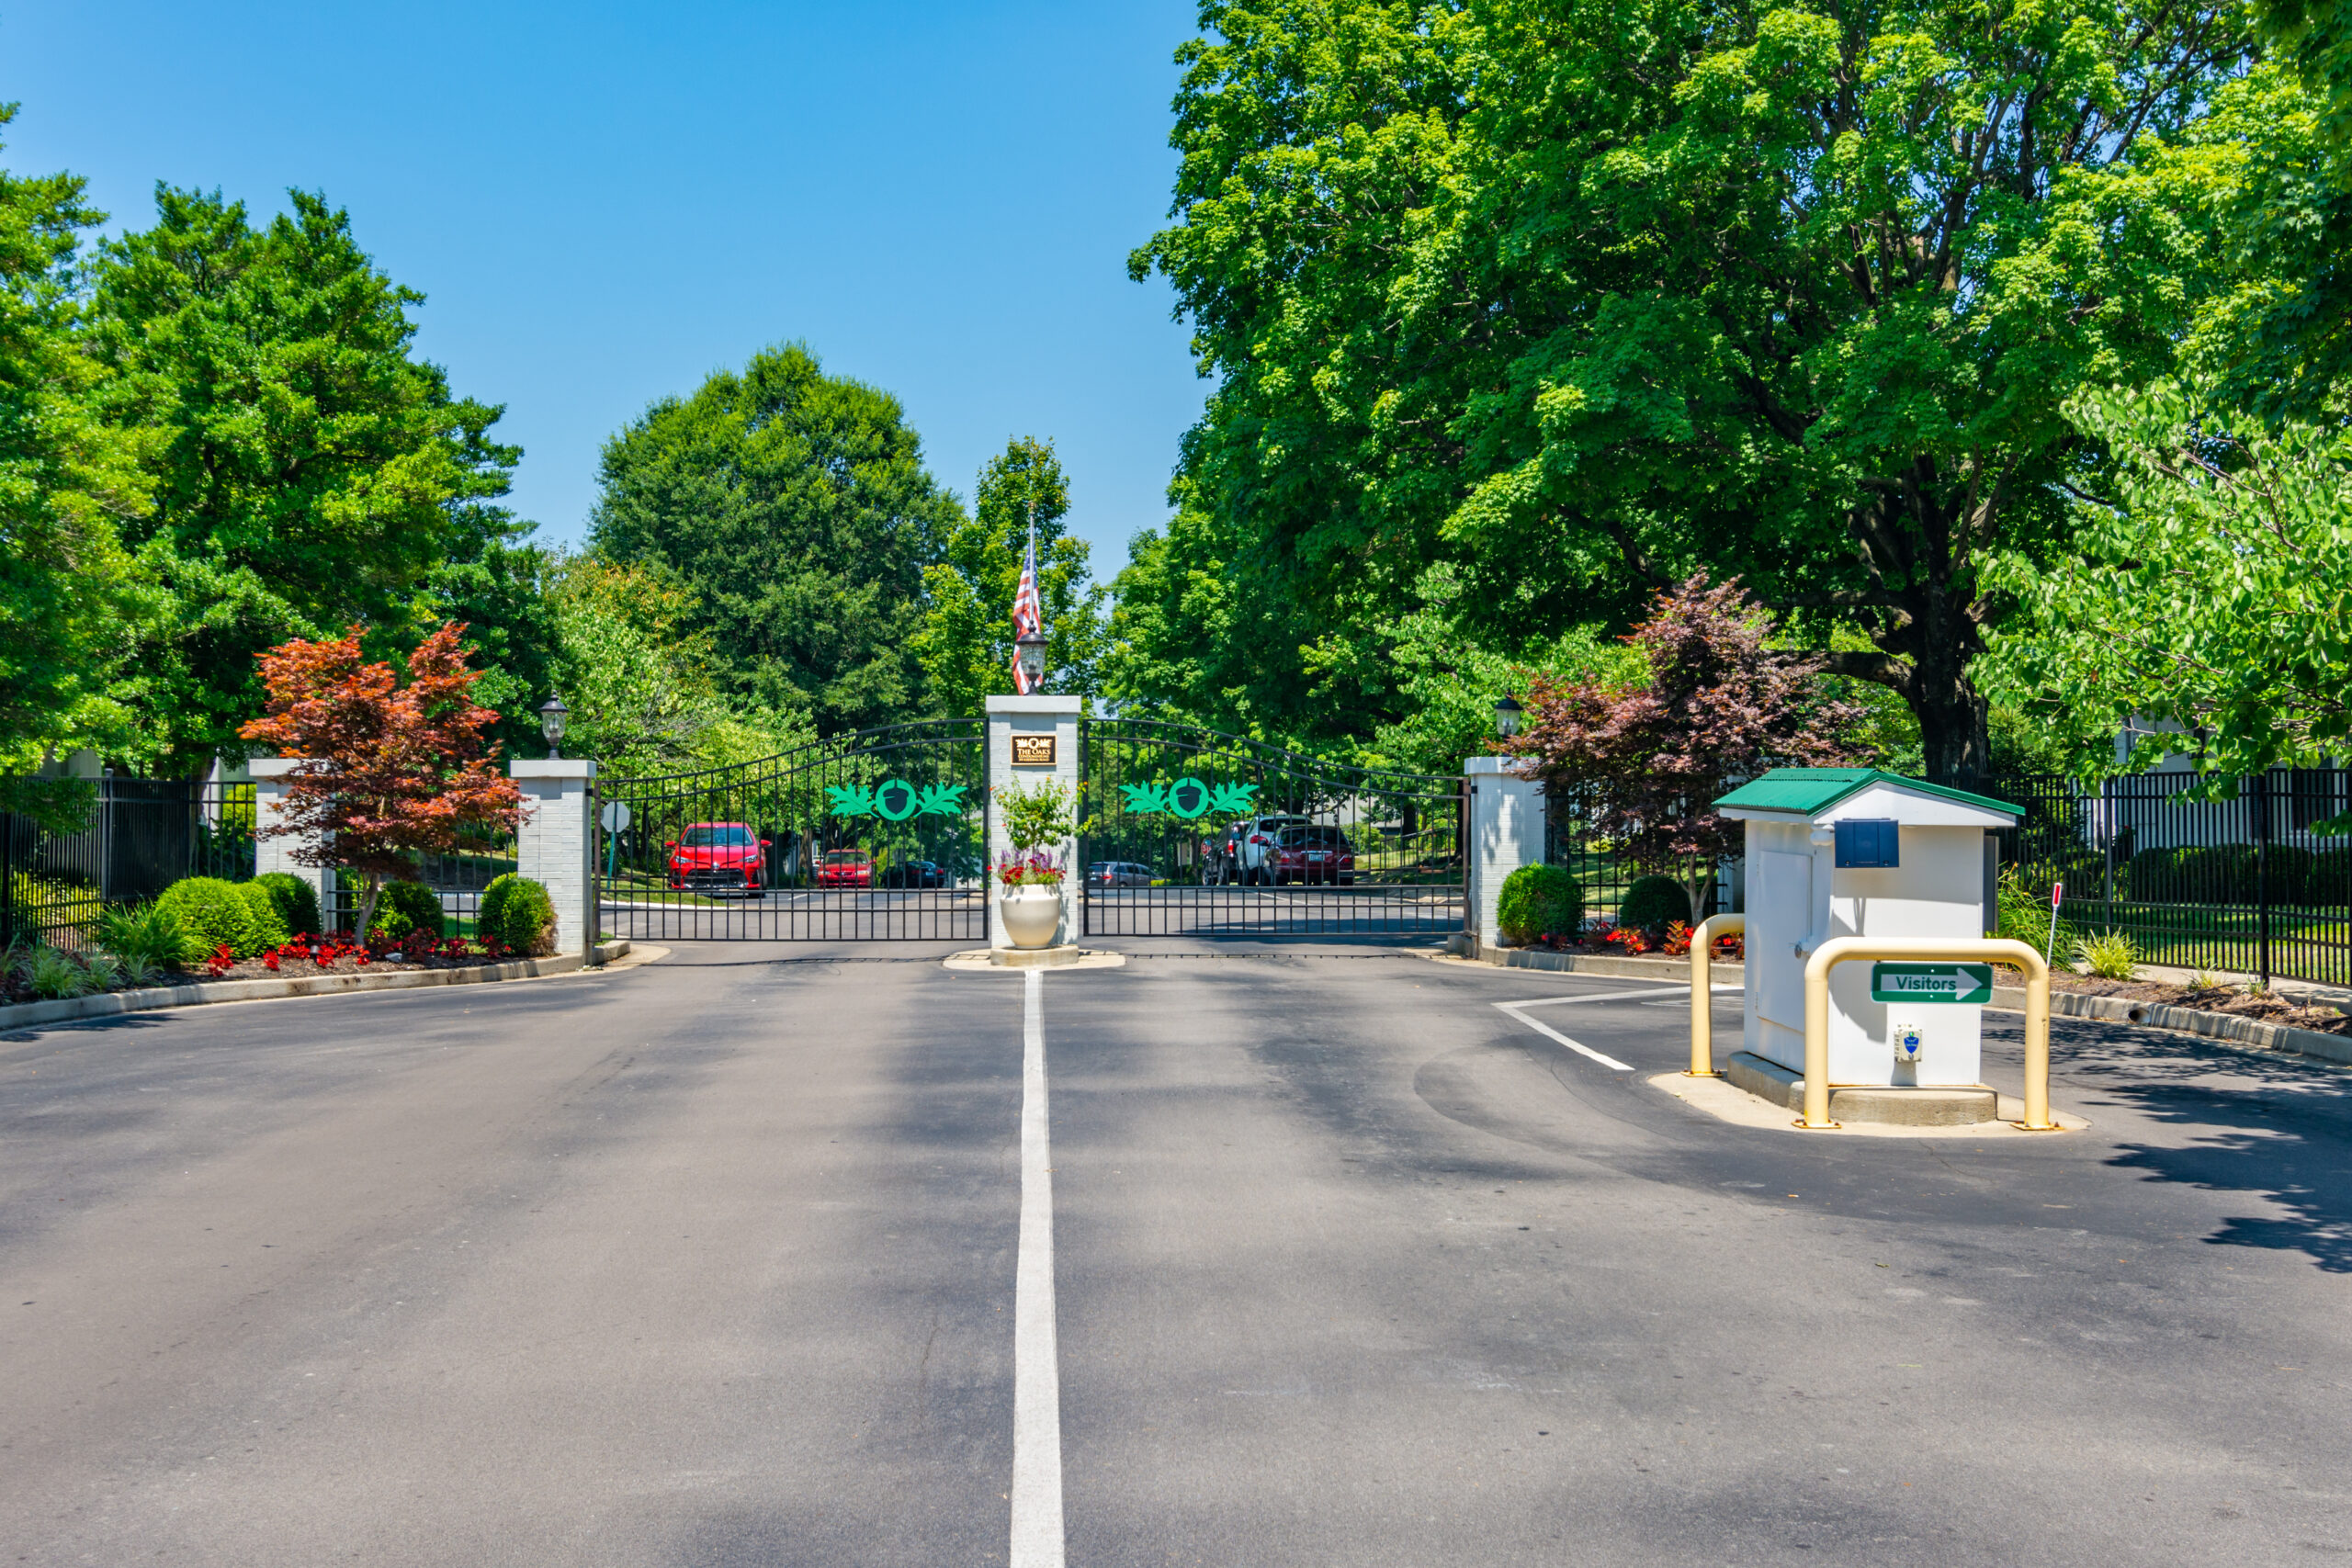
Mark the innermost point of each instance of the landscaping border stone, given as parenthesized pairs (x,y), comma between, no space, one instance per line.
(1725,970)
(2223,1026)
(70,1008)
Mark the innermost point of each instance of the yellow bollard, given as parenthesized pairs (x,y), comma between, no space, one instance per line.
(1703,1024)
(1846,949)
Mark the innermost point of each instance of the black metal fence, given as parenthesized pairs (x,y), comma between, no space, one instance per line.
(137,838)
(1603,869)
(2243,882)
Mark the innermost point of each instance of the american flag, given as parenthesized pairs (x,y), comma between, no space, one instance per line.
(1027,617)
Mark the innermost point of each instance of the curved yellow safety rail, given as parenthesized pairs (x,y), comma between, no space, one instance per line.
(1703,1027)
(1846,949)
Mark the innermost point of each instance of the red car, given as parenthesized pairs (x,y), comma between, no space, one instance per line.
(846,868)
(1314,854)
(718,857)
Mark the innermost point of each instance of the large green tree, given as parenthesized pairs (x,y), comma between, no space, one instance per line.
(1585,295)
(966,643)
(306,466)
(67,478)
(797,507)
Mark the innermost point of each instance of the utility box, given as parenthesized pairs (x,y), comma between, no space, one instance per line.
(1854,851)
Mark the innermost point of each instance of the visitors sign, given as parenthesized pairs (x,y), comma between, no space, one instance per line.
(1969,983)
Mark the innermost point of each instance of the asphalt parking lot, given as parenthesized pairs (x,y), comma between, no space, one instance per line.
(713,1262)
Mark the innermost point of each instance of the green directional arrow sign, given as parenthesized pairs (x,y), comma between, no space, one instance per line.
(1967,983)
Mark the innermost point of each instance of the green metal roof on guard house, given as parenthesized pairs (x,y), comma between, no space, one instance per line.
(1827,794)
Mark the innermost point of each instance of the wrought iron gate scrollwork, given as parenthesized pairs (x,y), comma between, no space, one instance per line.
(875,835)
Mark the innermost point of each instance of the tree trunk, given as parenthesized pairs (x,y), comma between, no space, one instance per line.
(373,890)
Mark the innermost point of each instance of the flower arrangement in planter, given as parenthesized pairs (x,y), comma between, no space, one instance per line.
(1036,816)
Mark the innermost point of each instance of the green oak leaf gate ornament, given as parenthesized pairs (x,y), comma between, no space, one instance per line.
(1189,798)
(894,800)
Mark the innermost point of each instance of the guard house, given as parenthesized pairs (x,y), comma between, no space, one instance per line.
(1854,851)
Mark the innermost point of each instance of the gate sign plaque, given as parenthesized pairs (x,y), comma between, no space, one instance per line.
(1032,750)
(1965,983)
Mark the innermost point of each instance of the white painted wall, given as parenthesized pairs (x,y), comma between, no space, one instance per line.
(556,844)
(1051,713)
(1506,832)
(276,853)
(1797,899)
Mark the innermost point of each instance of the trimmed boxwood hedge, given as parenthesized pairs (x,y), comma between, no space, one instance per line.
(405,906)
(1540,901)
(296,901)
(1652,904)
(518,912)
(239,916)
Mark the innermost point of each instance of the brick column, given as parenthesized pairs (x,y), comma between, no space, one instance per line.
(277,853)
(1506,832)
(556,845)
(1057,717)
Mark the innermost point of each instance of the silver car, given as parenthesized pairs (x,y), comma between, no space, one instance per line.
(1119,874)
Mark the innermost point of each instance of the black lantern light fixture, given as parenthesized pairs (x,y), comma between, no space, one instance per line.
(551,716)
(1031,648)
(1506,714)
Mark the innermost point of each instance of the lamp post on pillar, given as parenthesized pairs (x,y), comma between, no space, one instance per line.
(556,844)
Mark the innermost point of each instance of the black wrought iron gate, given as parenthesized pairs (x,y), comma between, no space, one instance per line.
(875,835)
(1190,830)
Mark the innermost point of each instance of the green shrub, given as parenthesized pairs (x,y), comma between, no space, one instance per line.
(518,912)
(267,921)
(2024,916)
(296,901)
(2110,955)
(220,914)
(53,976)
(1652,904)
(148,938)
(405,906)
(1538,902)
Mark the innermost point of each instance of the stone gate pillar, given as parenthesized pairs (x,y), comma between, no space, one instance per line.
(1032,739)
(276,852)
(1506,832)
(556,845)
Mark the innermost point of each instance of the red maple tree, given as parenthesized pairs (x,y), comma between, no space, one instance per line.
(1640,763)
(393,770)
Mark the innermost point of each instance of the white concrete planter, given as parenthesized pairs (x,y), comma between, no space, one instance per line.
(1032,915)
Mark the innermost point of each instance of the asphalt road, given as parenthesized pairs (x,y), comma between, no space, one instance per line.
(711,1262)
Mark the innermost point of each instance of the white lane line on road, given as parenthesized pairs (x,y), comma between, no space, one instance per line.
(1036,1374)
(1652,992)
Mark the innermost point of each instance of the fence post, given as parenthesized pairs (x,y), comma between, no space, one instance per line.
(2262,874)
(555,845)
(274,852)
(1506,832)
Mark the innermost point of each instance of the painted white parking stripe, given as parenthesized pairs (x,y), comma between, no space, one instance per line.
(1579,1046)
(1511,1009)
(1037,1375)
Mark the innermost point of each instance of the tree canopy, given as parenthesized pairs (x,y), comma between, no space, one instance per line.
(68,597)
(305,464)
(966,643)
(797,507)
(1583,296)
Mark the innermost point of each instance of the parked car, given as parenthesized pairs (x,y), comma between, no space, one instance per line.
(716,858)
(1315,854)
(1246,852)
(846,868)
(914,873)
(1119,874)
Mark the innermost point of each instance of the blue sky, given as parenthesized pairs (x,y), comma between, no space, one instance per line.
(604,203)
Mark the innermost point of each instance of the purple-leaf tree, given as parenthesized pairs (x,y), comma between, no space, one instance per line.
(1640,763)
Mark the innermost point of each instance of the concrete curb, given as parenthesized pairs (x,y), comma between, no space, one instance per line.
(2222,1026)
(68,1010)
(1725,970)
